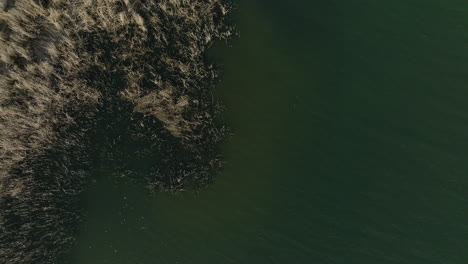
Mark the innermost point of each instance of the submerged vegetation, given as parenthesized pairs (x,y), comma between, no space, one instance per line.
(78,78)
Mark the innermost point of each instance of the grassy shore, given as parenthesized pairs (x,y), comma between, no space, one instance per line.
(77,78)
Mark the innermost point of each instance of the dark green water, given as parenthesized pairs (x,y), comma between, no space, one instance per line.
(350,146)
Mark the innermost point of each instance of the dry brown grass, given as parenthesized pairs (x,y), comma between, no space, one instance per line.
(61,63)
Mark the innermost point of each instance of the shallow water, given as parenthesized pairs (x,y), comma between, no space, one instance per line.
(351,131)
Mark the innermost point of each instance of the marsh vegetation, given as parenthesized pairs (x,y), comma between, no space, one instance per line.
(79,78)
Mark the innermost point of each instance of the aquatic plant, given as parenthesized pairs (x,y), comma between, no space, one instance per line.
(73,76)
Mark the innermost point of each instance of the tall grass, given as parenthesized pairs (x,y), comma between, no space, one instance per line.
(68,70)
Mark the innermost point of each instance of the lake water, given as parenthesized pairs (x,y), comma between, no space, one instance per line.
(350,146)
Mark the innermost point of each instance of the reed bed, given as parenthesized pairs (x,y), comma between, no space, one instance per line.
(77,79)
